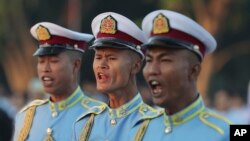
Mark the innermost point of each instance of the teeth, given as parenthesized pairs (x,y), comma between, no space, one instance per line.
(47,78)
(100,74)
(154,82)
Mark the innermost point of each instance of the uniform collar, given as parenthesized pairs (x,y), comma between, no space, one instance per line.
(127,108)
(69,102)
(186,114)
(97,107)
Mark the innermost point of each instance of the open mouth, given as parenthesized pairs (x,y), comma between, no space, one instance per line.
(101,76)
(47,81)
(155,87)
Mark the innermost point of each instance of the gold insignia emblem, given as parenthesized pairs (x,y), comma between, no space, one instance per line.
(108,25)
(42,33)
(160,24)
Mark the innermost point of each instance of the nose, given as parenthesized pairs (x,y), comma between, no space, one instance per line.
(46,67)
(103,64)
(152,68)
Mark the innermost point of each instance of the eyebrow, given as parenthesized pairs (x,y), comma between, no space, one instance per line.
(160,55)
(105,54)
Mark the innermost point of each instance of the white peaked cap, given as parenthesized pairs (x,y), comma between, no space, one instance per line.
(114,30)
(53,39)
(176,28)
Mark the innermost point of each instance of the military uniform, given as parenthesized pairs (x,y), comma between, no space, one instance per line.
(44,120)
(169,29)
(195,123)
(101,123)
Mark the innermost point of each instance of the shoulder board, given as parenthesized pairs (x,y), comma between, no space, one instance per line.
(37,102)
(93,105)
(147,112)
(215,121)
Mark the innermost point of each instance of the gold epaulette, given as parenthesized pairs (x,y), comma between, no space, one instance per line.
(28,119)
(206,116)
(147,113)
(37,102)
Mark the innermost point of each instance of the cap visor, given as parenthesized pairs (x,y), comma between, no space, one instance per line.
(167,42)
(112,42)
(115,43)
(41,51)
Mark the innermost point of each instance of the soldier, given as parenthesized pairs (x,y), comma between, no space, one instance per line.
(174,52)
(117,60)
(59,61)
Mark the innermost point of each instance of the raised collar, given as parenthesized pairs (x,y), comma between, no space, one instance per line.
(67,103)
(127,108)
(186,114)
(97,107)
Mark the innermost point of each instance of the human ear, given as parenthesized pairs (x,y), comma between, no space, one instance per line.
(136,66)
(194,71)
(76,65)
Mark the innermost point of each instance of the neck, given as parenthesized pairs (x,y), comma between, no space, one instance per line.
(122,96)
(63,93)
(182,103)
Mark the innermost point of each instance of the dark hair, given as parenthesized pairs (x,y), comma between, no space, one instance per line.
(74,54)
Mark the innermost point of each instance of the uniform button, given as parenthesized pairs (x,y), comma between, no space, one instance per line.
(159,112)
(145,109)
(123,112)
(168,130)
(206,115)
(62,106)
(86,101)
(54,114)
(113,122)
(102,108)
(49,131)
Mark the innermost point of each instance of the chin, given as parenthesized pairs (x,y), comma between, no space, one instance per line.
(159,102)
(102,89)
(49,90)
(105,88)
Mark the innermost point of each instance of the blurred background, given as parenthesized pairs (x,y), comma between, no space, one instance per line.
(225,77)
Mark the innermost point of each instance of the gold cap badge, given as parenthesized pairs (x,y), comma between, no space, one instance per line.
(108,25)
(160,24)
(42,33)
